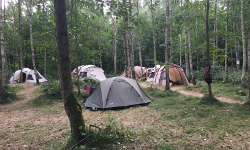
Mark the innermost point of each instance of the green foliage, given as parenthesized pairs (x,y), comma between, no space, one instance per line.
(74,81)
(10,93)
(165,147)
(52,88)
(106,138)
(155,92)
(210,101)
(90,81)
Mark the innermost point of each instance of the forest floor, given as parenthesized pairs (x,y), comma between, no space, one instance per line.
(191,93)
(24,125)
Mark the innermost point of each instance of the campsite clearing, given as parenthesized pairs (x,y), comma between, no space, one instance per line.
(171,119)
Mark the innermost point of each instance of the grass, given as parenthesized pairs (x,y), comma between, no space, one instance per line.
(219,89)
(172,121)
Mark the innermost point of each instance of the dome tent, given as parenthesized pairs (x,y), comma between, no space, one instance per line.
(176,75)
(89,71)
(117,92)
(28,76)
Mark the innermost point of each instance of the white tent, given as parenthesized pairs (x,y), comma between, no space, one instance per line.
(28,76)
(90,71)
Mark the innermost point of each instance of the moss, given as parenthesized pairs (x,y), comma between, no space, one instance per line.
(74,111)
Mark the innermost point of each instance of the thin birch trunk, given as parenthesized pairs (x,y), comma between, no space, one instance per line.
(45,56)
(128,53)
(115,47)
(166,47)
(139,41)
(186,53)
(190,57)
(21,43)
(152,14)
(248,49)
(131,39)
(14,28)
(215,30)
(124,44)
(204,27)
(180,49)
(243,45)
(31,41)
(197,57)
(207,38)
(226,49)
(3,54)
(171,40)
(235,48)
(100,52)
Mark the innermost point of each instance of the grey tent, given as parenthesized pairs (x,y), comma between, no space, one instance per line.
(117,92)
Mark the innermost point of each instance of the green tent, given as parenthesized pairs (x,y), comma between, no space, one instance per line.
(117,92)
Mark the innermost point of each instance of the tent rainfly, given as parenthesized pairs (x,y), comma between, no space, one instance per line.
(117,92)
(139,72)
(89,71)
(28,76)
(176,75)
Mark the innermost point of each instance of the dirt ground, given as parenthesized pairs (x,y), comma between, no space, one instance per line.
(24,126)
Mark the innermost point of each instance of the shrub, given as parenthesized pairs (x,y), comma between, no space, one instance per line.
(52,88)
(90,81)
(10,91)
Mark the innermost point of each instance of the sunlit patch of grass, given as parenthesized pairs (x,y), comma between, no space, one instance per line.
(219,89)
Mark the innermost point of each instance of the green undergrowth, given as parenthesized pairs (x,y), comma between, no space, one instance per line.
(186,119)
(108,137)
(10,93)
(235,91)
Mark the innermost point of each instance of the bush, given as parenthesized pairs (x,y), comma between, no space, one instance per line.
(10,91)
(90,81)
(74,81)
(52,88)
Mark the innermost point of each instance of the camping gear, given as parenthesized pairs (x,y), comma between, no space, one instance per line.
(207,75)
(176,75)
(117,92)
(89,71)
(28,76)
(151,73)
(139,72)
(88,89)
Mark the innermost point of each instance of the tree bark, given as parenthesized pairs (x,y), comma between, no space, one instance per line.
(207,38)
(248,49)
(152,14)
(226,41)
(14,28)
(3,94)
(31,42)
(21,43)
(45,56)
(186,53)
(243,46)
(128,53)
(115,68)
(3,54)
(190,57)
(71,104)
(124,45)
(131,42)
(100,52)
(180,49)
(235,47)
(215,29)
(166,47)
(139,40)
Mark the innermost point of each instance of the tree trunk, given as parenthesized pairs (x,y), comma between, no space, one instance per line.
(124,45)
(197,57)
(31,42)
(3,94)
(215,30)
(166,47)
(14,28)
(45,56)
(77,50)
(3,54)
(152,14)
(128,53)
(243,46)
(248,49)
(21,43)
(180,49)
(131,39)
(237,56)
(190,57)
(71,104)
(226,41)
(235,47)
(186,53)
(100,52)
(139,41)
(115,68)
(207,38)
